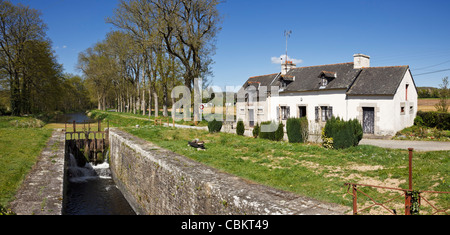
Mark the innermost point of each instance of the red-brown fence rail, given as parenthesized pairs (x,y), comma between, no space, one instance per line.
(413,199)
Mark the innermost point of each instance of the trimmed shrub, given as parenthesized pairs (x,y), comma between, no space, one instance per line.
(276,135)
(293,128)
(240,128)
(418,121)
(214,126)
(266,135)
(343,139)
(357,131)
(279,133)
(343,134)
(297,130)
(256,130)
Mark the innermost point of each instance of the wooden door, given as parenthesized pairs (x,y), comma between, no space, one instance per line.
(368,120)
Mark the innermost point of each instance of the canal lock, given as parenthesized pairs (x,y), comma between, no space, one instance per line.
(90,188)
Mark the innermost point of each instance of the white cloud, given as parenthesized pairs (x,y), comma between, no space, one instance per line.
(58,47)
(282,58)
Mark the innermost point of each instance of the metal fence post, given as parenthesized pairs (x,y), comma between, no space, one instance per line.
(355,204)
(408,194)
(410,167)
(407,203)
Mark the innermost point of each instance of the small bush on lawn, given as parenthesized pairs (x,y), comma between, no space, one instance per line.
(276,135)
(297,130)
(256,130)
(240,129)
(343,134)
(279,133)
(214,126)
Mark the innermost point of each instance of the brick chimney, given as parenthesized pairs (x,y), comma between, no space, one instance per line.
(285,67)
(361,61)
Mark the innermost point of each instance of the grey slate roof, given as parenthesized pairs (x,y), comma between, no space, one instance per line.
(378,81)
(308,78)
(264,80)
(364,81)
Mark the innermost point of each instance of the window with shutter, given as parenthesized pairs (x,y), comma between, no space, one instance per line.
(278,113)
(317,113)
(327,113)
(330,112)
(285,112)
(324,113)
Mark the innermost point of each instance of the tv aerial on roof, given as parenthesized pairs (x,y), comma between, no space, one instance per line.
(287,34)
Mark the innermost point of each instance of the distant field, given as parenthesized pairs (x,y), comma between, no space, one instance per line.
(428,104)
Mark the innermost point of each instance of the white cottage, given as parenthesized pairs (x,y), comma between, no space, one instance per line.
(383,99)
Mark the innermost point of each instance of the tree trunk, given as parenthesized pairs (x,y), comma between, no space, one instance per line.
(99,99)
(143,94)
(15,95)
(155,96)
(166,100)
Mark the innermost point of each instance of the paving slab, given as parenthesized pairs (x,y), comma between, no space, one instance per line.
(41,192)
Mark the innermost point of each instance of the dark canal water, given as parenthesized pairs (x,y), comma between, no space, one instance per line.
(91,189)
(70,117)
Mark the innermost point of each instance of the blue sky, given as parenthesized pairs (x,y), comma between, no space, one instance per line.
(396,32)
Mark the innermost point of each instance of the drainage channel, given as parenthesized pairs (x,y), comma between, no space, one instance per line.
(92,191)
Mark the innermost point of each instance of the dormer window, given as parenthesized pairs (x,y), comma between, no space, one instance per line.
(323,83)
(326,78)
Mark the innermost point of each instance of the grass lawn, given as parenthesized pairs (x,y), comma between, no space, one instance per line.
(308,169)
(305,169)
(20,145)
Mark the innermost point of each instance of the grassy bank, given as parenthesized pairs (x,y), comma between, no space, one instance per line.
(305,169)
(130,119)
(308,169)
(21,141)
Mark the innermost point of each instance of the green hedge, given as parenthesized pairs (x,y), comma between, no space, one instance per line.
(344,134)
(433,119)
(297,130)
(275,135)
(214,126)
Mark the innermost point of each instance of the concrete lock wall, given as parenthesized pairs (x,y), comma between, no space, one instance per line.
(159,182)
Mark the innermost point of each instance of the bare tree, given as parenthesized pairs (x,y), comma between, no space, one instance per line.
(189,29)
(183,30)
